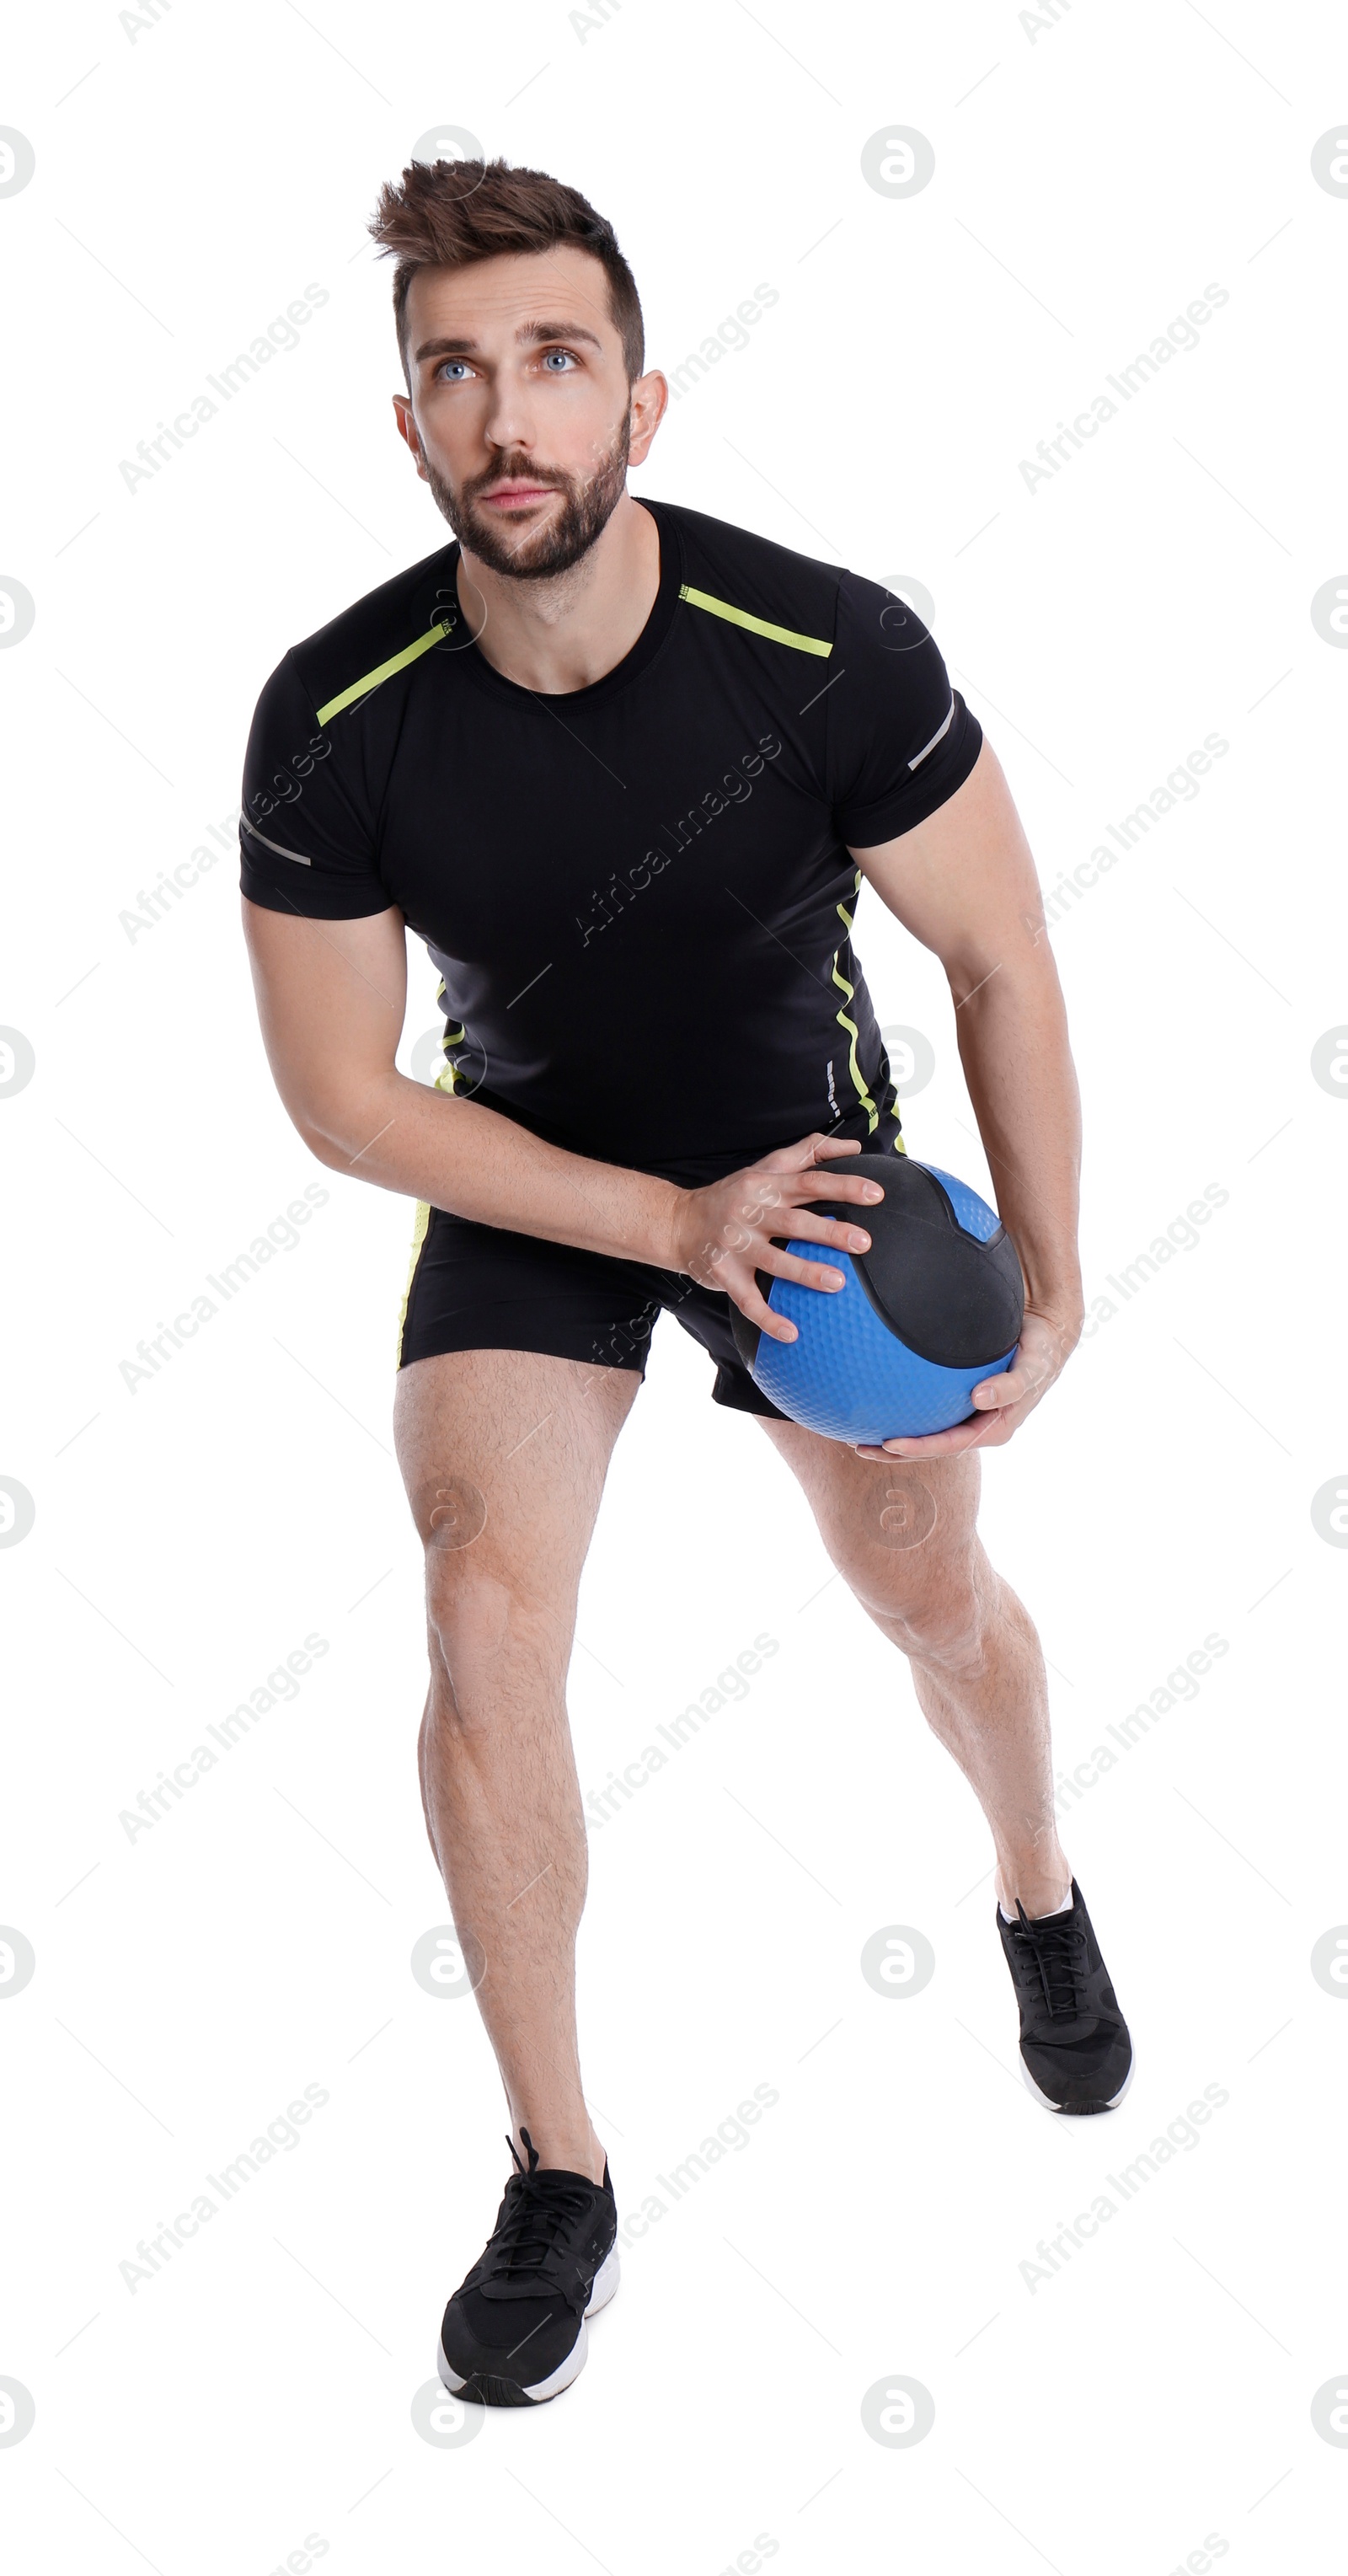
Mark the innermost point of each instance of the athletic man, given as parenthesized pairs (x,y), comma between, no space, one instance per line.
(624,766)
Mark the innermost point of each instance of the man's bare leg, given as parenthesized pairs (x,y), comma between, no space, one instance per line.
(504,1455)
(904,1538)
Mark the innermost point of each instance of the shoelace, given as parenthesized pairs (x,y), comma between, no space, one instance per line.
(1059,1947)
(537,2204)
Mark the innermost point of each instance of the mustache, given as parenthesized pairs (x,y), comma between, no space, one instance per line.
(510,471)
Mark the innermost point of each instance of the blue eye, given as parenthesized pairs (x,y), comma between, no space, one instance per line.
(567,355)
(455,362)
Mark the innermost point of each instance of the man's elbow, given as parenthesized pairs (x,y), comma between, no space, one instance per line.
(324,1149)
(326,1127)
(336,1099)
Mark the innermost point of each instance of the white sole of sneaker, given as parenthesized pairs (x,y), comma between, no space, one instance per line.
(605,2283)
(1050,2105)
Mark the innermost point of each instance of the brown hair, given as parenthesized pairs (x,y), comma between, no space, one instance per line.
(450,214)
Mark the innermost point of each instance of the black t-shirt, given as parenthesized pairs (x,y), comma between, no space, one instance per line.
(638,894)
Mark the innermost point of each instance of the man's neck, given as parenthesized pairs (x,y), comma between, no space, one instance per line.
(565,633)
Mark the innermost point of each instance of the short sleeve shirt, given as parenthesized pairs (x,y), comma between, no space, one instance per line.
(639,895)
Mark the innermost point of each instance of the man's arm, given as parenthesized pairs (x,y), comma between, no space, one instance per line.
(331,999)
(964,883)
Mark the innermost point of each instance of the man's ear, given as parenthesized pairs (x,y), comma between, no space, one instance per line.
(649,401)
(407,429)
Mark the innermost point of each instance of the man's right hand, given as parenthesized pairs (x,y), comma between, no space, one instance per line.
(723,1232)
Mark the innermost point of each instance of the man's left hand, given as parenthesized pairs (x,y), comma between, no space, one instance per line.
(1001,1403)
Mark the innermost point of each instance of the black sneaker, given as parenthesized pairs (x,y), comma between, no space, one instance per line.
(514,2331)
(1075,2051)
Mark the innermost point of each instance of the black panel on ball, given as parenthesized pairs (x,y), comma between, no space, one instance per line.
(953,1300)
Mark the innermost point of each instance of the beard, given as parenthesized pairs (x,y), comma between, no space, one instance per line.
(538,553)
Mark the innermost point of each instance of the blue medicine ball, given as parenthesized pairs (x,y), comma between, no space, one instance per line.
(935,1305)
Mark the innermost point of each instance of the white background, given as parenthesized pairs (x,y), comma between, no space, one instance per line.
(195,170)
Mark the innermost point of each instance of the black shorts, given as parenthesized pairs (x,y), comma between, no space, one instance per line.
(477,1287)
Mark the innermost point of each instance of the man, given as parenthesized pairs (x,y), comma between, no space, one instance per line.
(624,767)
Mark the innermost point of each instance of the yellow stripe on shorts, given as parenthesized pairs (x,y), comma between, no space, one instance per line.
(418,1238)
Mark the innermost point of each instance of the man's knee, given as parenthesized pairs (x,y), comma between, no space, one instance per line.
(493,1640)
(936,1609)
(908,1548)
(948,1633)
